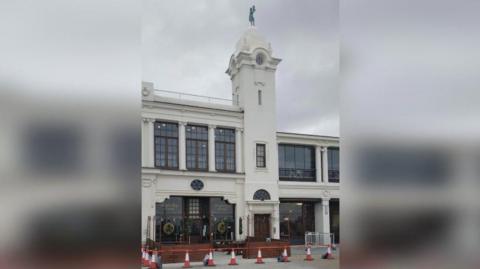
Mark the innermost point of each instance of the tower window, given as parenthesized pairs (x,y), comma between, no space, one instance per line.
(260,150)
(259,97)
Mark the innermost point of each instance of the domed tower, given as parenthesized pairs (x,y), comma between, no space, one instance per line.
(252,70)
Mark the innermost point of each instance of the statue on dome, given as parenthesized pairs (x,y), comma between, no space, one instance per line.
(251,18)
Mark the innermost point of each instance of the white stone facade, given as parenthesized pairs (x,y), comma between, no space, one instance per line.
(252,114)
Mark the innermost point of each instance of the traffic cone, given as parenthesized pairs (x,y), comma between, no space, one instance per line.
(186,264)
(210,259)
(144,257)
(148,259)
(328,254)
(154,261)
(309,254)
(285,255)
(259,257)
(233,260)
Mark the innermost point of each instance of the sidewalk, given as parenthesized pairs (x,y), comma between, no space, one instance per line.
(297,261)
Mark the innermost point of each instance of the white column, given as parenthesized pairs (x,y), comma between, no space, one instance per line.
(325,164)
(145,129)
(322,220)
(238,150)
(276,222)
(318,163)
(211,148)
(326,220)
(182,153)
(148,152)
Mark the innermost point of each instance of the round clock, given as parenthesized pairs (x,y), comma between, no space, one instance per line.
(260,58)
(196,184)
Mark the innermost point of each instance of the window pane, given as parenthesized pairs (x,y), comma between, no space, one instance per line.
(281,156)
(333,158)
(299,157)
(289,157)
(196,146)
(166,144)
(225,149)
(309,164)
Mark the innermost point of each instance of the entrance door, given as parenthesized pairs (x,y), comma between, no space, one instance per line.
(197,220)
(262,226)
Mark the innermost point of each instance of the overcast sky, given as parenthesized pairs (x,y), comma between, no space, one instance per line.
(187,44)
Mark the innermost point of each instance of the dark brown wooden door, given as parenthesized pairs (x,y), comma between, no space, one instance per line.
(262,226)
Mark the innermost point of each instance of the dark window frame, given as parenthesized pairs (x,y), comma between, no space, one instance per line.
(224,144)
(167,138)
(261,158)
(333,174)
(196,154)
(305,174)
(261,195)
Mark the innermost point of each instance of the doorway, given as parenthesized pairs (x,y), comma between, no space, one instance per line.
(261,226)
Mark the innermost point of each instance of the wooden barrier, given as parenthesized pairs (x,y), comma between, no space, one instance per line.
(272,249)
(178,256)
(175,253)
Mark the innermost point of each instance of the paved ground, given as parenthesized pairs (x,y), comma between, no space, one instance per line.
(297,261)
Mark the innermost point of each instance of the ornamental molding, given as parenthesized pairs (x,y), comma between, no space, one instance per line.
(148,182)
(145,119)
(326,194)
(218,109)
(153,172)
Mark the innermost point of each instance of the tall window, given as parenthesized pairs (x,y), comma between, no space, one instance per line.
(333,164)
(197,147)
(166,145)
(296,162)
(225,150)
(259,97)
(261,155)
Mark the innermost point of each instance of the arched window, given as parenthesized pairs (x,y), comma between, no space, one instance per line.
(261,195)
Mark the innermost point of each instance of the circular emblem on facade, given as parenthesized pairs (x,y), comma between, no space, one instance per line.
(221,227)
(196,184)
(168,228)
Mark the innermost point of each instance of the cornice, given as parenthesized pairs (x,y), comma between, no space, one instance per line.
(211,175)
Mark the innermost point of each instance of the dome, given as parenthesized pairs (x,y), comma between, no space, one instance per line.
(251,40)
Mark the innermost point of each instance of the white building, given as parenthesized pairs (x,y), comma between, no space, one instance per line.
(215,169)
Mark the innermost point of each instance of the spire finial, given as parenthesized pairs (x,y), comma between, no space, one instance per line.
(251,19)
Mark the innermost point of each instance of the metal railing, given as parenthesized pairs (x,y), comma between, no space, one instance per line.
(334,176)
(193,97)
(319,239)
(297,174)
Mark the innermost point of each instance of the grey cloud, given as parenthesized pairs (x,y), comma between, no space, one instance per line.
(187,45)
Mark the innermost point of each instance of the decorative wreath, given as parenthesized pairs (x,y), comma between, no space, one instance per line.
(221,227)
(168,228)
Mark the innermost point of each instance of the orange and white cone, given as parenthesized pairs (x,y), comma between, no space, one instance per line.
(211,262)
(144,257)
(154,261)
(148,258)
(309,254)
(233,260)
(328,254)
(186,263)
(285,255)
(259,257)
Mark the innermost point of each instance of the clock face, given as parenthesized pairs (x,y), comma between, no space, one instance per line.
(260,58)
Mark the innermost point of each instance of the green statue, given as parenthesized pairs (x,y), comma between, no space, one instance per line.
(251,18)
